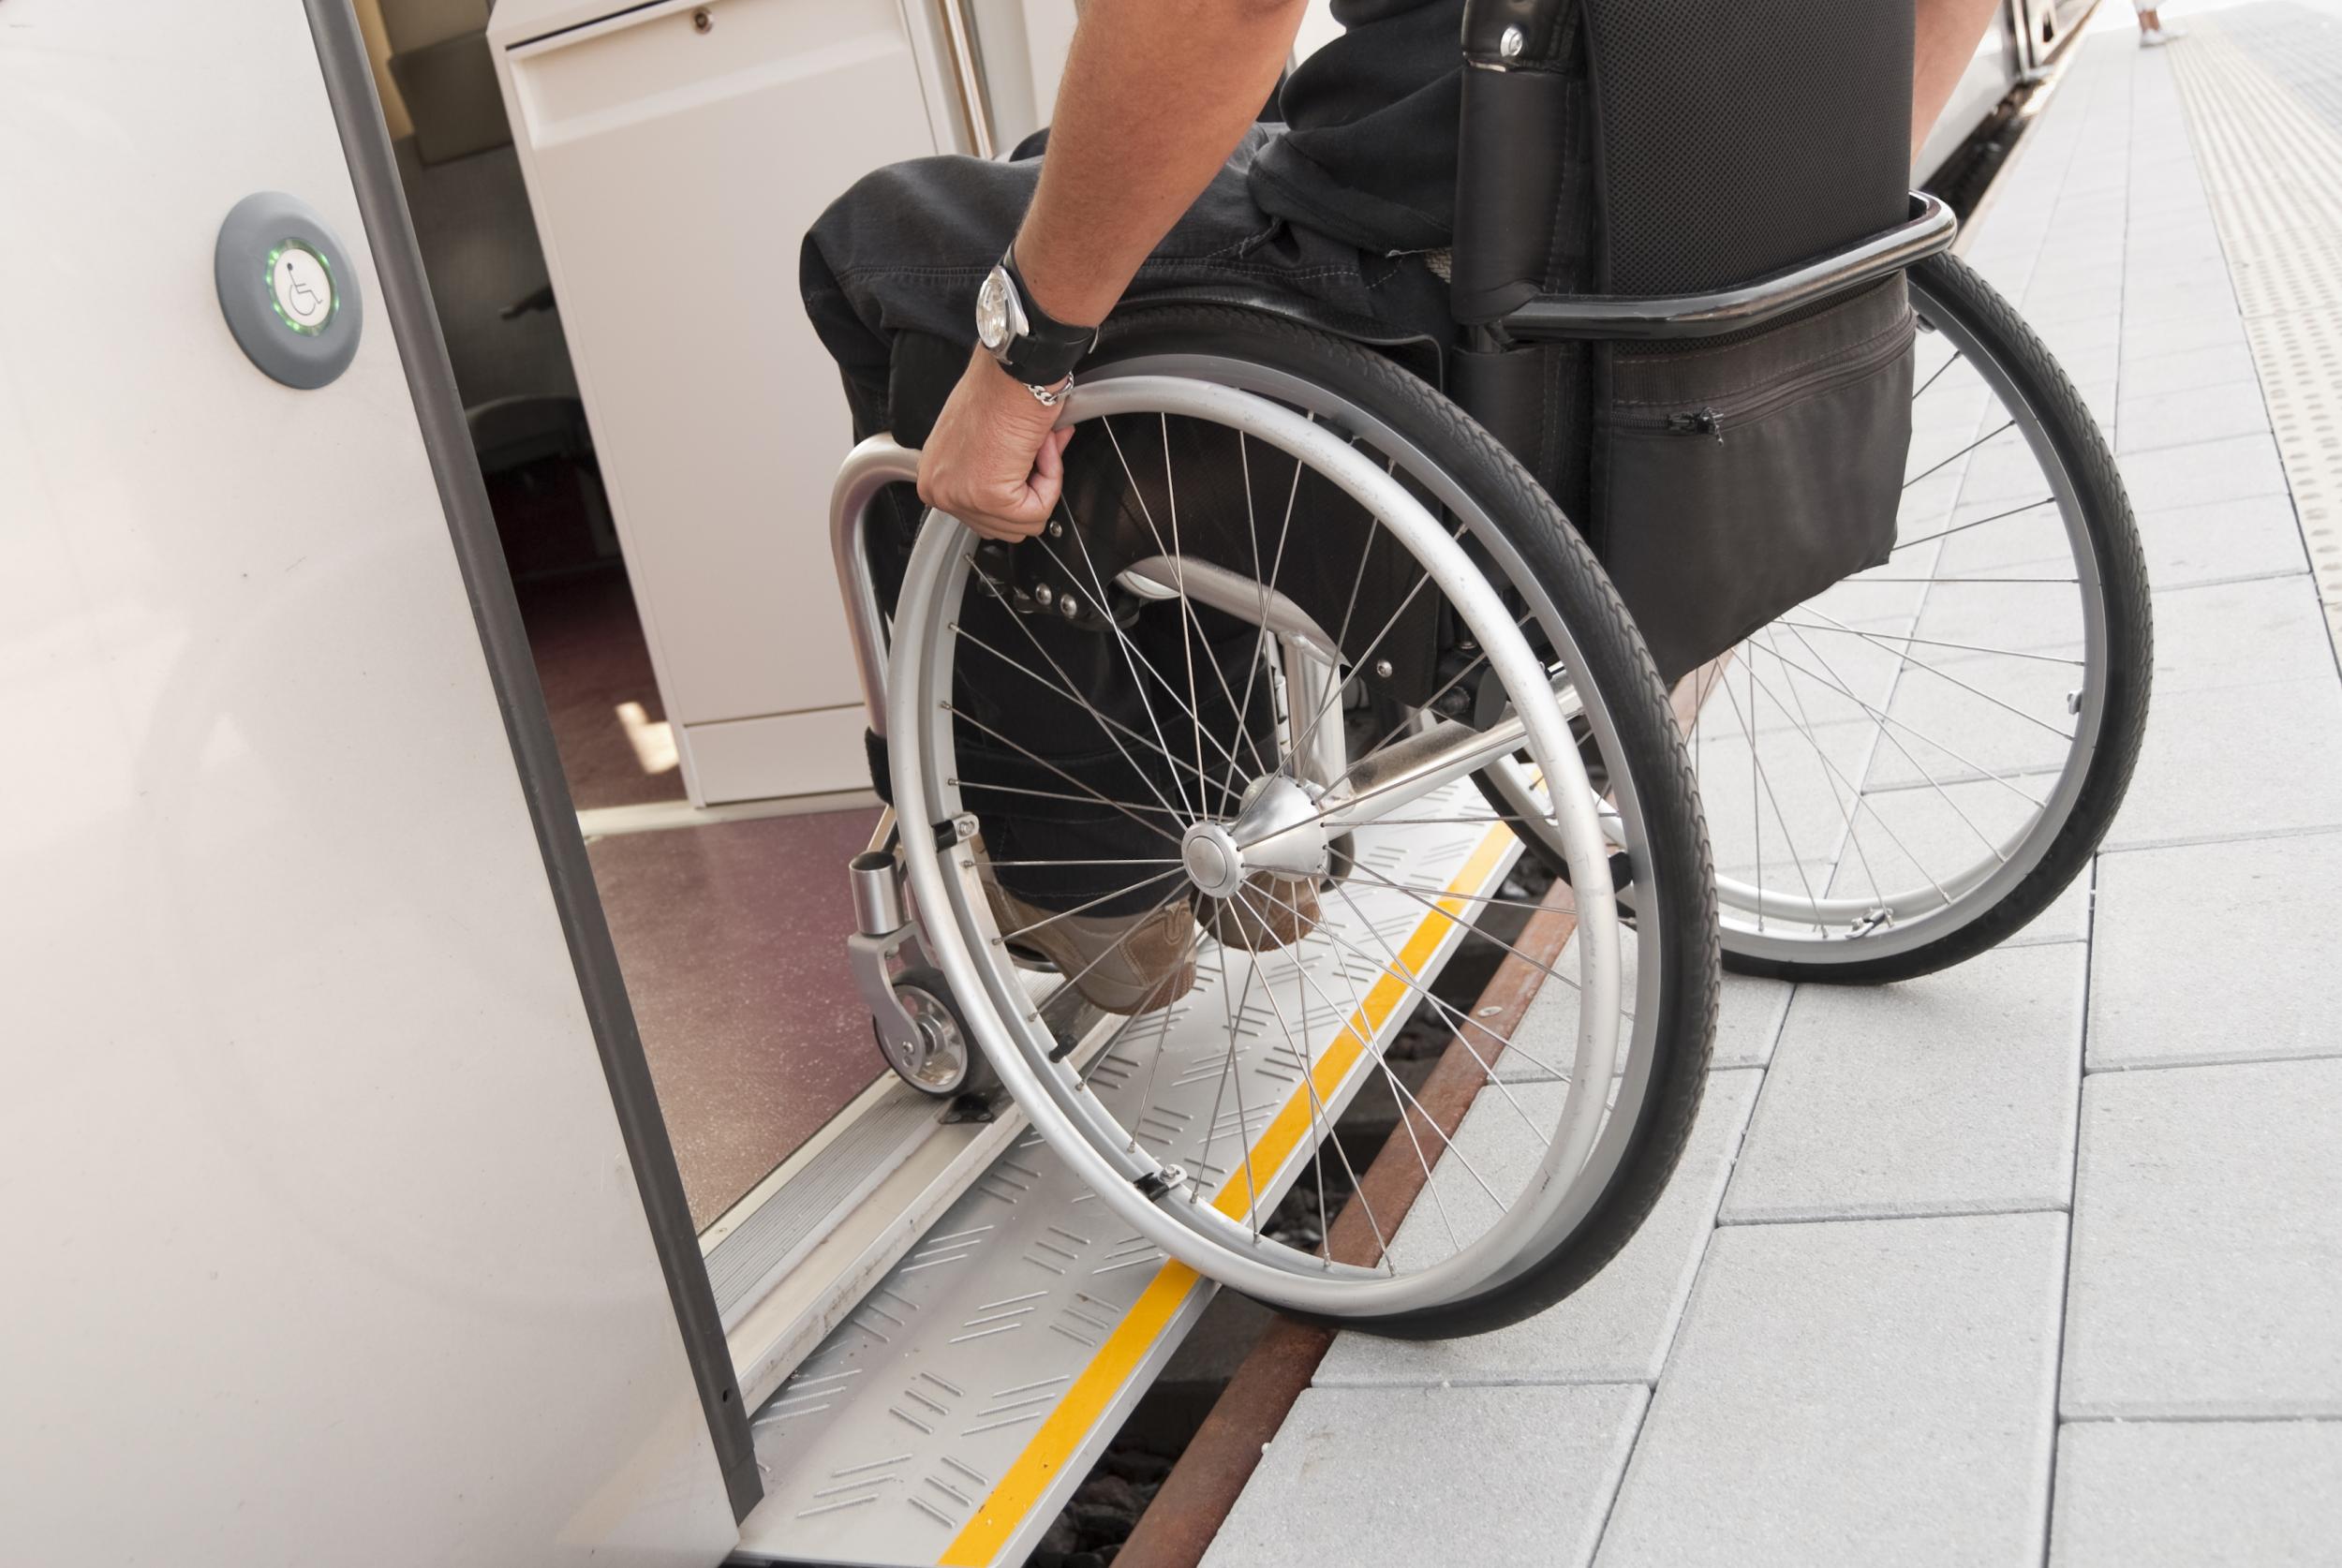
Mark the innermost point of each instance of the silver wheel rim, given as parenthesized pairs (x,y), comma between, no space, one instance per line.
(1588,1135)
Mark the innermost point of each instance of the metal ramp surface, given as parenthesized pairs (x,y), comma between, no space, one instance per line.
(949,1416)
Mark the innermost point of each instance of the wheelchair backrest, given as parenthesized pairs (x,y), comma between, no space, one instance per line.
(1734,138)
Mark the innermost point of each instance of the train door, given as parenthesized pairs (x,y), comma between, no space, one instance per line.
(340,1225)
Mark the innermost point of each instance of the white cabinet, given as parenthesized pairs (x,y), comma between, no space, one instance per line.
(676,155)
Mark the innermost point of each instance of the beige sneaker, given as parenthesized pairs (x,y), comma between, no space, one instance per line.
(1272,912)
(1126,963)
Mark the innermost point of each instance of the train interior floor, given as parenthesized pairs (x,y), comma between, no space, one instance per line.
(730,934)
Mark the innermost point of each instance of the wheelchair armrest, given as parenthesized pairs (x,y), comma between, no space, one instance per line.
(1551,317)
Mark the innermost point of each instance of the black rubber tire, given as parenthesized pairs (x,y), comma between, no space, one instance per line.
(1618,666)
(2114,534)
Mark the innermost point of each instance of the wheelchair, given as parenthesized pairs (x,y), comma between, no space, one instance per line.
(1321,622)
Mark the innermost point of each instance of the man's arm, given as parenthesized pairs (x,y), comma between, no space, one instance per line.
(1156,94)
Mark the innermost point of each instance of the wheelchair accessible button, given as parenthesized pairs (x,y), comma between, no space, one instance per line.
(287,289)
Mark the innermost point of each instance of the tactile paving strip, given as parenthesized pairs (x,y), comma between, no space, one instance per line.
(2272,163)
(949,1415)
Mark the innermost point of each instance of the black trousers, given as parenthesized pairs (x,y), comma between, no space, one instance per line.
(904,250)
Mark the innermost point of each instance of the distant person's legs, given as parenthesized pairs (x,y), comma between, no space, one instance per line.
(2152,33)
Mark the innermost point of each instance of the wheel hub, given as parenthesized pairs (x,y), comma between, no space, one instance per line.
(1213,863)
(1279,827)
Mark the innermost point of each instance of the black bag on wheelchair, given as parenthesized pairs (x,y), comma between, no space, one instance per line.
(1697,146)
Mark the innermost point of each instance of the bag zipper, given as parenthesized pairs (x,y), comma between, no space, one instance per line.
(1710,419)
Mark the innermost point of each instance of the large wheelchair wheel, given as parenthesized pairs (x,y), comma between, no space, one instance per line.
(1908,768)
(1353,510)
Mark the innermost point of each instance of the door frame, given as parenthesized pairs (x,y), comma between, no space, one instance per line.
(406,298)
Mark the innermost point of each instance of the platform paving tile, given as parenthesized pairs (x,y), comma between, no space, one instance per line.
(2235,762)
(1748,1022)
(2143,422)
(1407,1477)
(2182,331)
(1617,1327)
(1874,1392)
(1946,1095)
(2221,541)
(2071,338)
(2233,468)
(2232,634)
(2217,952)
(2194,1494)
(2207,1268)
(2200,296)
(2154,375)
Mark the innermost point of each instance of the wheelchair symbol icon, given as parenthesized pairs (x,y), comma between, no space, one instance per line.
(302,288)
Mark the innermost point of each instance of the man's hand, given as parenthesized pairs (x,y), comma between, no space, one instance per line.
(1152,99)
(995,459)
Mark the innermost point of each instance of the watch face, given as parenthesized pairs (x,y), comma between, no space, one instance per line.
(992,310)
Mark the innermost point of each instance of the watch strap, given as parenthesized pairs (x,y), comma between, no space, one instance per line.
(1045,352)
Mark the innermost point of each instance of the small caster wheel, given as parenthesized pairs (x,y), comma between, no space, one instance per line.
(946,1062)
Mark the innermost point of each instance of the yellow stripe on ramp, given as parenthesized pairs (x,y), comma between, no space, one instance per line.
(1087,1397)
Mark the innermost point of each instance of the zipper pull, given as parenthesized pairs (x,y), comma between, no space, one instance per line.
(1700,421)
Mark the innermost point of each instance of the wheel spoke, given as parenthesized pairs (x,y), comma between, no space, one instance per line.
(1885,720)
(1104,723)
(1148,860)
(1964,452)
(1192,627)
(1276,563)
(1936,375)
(1756,771)
(1232,1072)
(1131,658)
(1884,638)
(1127,932)
(1319,1111)
(1861,796)
(1091,904)
(1979,523)
(1400,1089)
(1440,1003)
(1803,722)
(1128,808)
(1333,697)
(1982,835)
(1394,966)
(1914,661)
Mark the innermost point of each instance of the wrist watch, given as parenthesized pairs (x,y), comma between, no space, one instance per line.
(1037,350)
